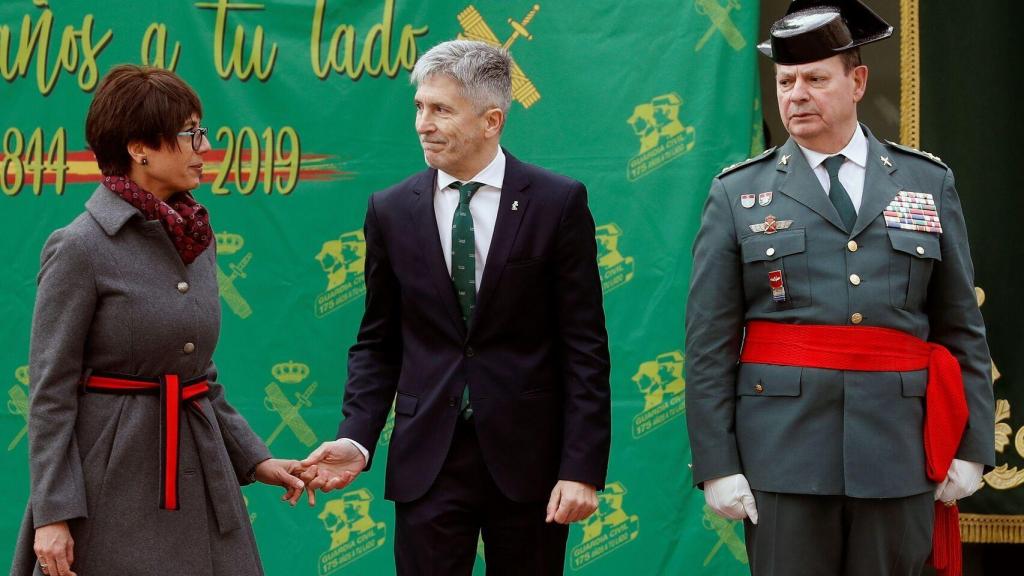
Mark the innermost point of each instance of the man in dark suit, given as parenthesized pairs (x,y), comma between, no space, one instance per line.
(832,328)
(484,325)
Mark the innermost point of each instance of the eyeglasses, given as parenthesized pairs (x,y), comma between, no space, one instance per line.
(197,134)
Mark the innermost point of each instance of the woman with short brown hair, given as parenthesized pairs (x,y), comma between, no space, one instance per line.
(136,457)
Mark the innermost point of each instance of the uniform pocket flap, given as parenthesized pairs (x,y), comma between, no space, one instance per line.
(916,244)
(405,404)
(769,380)
(769,247)
(914,383)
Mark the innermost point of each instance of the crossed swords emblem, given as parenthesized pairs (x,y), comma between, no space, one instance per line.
(475,28)
(277,401)
(226,282)
(721,21)
(18,403)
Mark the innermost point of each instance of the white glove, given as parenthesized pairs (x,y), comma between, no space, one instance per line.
(962,480)
(730,497)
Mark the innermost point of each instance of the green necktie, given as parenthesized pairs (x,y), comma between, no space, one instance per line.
(837,193)
(464,264)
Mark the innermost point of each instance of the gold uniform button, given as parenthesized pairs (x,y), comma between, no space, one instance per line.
(857,318)
(854,279)
(770,252)
(920,250)
(188,348)
(758,388)
(852,246)
(182,287)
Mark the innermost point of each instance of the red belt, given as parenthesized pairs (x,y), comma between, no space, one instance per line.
(875,349)
(172,394)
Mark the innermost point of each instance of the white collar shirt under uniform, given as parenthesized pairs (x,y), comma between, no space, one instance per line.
(483,206)
(851,173)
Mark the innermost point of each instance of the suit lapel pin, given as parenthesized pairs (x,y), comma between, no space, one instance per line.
(747,200)
(886,162)
(785,159)
(515,205)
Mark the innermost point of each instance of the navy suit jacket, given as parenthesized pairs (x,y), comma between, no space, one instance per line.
(535,354)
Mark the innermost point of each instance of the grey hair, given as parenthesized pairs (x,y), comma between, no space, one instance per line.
(483,71)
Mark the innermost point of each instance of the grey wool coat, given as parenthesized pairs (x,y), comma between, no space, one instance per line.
(114,296)
(802,430)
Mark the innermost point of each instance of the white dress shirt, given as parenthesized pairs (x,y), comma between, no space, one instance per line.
(851,173)
(483,206)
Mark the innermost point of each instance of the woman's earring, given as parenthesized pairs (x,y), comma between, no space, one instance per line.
(145,162)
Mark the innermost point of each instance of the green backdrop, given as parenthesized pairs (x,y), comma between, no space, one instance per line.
(310,110)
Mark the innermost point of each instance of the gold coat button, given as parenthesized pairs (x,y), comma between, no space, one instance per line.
(182,287)
(188,348)
(920,250)
(758,388)
(854,279)
(857,318)
(770,252)
(852,246)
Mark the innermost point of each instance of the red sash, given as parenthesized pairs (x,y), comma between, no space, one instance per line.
(172,394)
(875,349)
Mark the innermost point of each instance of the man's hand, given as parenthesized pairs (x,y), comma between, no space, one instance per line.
(962,480)
(730,497)
(284,473)
(571,502)
(55,549)
(332,466)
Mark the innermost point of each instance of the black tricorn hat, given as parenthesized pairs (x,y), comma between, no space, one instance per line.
(815,30)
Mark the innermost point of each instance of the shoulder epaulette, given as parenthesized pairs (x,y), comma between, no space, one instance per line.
(917,152)
(743,163)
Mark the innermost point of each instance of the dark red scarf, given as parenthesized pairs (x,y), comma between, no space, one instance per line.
(186,221)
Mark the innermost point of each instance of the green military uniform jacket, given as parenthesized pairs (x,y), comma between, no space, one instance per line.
(816,431)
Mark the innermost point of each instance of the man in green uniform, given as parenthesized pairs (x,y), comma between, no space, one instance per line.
(832,286)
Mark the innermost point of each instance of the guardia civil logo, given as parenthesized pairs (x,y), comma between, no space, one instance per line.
(720,15)
(663,137)
(17,404)
(342,260)
(607,529)
(728,537)
(228,245)
(662,384)
(286,396)
(353,531)
(474,27)
(615,268)
(389,426)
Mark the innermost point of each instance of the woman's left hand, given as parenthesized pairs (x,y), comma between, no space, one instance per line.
(284,473)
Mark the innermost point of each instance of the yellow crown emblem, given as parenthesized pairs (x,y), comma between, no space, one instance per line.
(290,372)
(21,373)
(228,243)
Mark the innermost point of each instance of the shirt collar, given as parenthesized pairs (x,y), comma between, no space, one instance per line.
(856,151)
(492,175)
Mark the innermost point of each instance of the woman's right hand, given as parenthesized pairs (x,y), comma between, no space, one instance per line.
(55,549)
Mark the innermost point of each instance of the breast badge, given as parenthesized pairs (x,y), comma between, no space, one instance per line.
(778,286)
(771,225)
